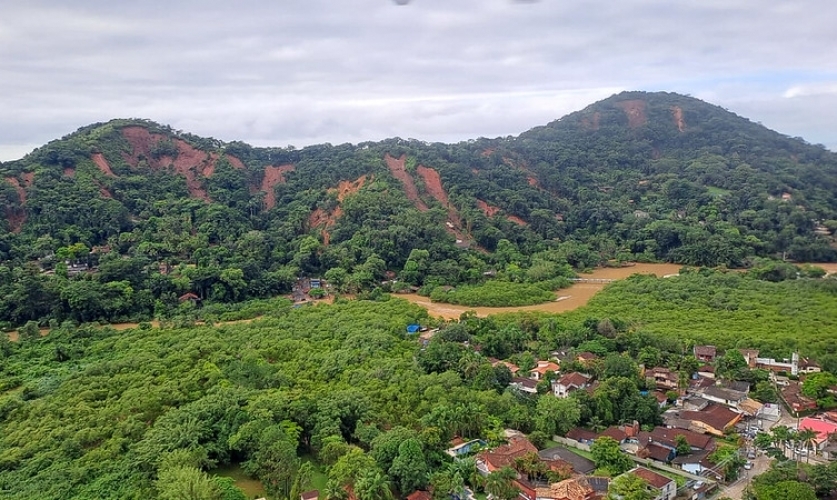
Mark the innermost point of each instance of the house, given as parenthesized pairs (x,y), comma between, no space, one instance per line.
(663,378)
(822,427)
(568,489)
(793,397)
(579,464)
(714,419)
(570,382)
(667,438)
(582,436)
(695,463)
(750,356)
(527,385)
(706,371)
(190,297)
(513,368)
(661,398)
(750,407)
(705,353)
(539,372)
(663,487)
(504,456)
(807,365)
(724,396)
(585,358)
(656,452)
(310,495)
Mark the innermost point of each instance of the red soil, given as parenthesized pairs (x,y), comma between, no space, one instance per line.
(190,162)
(487,152)
(591,122)
(433,183)
(69,172)
(320,217)
(677,112)
(345,188)
(17,217)
(102,163)
(532,181)
(21,193)
(28,178)
(487,209)
(396,166)
(517,220)
(635,110)
(104,191)
(273,175)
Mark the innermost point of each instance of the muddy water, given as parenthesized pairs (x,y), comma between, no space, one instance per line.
(570,298)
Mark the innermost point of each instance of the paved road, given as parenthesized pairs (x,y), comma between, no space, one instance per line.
(736,489)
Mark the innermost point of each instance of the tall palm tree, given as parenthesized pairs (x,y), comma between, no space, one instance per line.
(499,484)
(373,485)
(808,439)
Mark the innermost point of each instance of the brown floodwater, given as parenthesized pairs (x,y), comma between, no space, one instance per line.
(568,299)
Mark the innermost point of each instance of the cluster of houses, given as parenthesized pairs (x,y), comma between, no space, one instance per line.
(577,484)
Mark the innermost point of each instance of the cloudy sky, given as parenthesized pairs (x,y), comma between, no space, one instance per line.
(300,72)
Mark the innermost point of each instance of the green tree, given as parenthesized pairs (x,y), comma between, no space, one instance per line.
(629,487)
(608,457)
(683,447)
(185,483)
(556,415)
(409,467)
(499,484)
(373,485)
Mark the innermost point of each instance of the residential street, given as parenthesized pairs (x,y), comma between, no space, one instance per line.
(736,489)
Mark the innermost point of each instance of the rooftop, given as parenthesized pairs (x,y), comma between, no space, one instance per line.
(656,480)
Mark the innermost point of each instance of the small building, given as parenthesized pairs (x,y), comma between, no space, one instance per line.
(705,353)
(570,382)
(706,371)
(527,385)
(823,428)
(714,419)
(539,372)
(724,396)
(663,378)
(460,447)
(663,487)
(503,456)
(310,495)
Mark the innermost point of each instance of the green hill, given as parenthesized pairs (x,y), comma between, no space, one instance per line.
(117,220)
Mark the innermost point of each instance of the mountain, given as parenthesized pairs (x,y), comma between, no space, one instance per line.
(637,176)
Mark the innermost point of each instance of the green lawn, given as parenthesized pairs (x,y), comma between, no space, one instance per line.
(319,478)
(251,487)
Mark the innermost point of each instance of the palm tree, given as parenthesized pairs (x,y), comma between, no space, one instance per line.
(373,485)
(499,484)
(808,439)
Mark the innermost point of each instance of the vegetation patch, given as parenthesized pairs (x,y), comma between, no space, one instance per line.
(495,294)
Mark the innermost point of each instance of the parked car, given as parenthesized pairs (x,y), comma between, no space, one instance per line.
(748,465)
(751,455)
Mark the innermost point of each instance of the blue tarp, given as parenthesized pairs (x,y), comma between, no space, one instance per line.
(413,328)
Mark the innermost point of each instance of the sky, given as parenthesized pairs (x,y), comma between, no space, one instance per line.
(301,72)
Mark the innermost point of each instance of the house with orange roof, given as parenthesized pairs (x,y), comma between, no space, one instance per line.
(663,487)
(539,372)
(503,456)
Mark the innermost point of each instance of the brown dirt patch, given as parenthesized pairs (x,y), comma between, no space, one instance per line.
(191,162)
(571,298)
(102,164)
(346,188)
(487,209)
(28,178)
(487,152)
(591,122)
(396,166)
(325,220)
(273,175)
(21,193)
(677,113)
(532,181)
(103,191)
(433,183)
(69,171)
(635,111)
(517,220)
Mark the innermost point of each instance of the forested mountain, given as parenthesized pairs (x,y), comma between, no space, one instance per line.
(160,213)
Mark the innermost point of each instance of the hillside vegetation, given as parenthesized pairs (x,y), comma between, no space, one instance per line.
(120,220)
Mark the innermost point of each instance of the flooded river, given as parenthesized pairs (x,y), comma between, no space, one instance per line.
(570,298)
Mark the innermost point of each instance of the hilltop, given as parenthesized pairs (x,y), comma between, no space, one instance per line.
(637,176)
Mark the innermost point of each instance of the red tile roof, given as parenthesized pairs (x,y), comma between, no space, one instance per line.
(504,455)
(668,437)
(580,434)
(545,366)
(656,480)
(714,415)
(573,379)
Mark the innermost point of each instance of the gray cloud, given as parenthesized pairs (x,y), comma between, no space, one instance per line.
(302,72)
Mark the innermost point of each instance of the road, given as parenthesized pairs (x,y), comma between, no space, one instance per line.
(736,490)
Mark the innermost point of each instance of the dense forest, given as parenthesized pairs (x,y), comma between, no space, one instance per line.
(120,220)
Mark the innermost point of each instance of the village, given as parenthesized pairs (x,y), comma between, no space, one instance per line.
(703,416)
